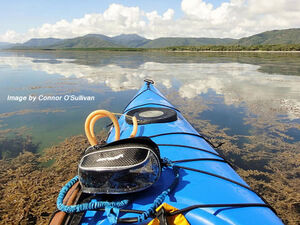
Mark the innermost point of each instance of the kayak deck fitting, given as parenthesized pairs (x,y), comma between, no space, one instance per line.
(207,190)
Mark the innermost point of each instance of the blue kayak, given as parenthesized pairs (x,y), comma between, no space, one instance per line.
(209,191)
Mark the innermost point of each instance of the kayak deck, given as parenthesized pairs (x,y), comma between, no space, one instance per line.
(205,177)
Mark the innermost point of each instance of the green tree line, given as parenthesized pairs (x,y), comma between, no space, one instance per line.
(281,47)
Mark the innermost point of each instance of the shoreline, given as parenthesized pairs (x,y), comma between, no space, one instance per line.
(144,50)
(256,51)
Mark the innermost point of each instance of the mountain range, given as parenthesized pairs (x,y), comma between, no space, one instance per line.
(287,36)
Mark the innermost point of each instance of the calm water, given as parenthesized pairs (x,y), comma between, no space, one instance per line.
(251,102)
(238,95)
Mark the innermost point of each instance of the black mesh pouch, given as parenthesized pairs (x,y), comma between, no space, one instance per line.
(124,166)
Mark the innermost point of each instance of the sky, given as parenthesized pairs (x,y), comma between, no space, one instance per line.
(23,20)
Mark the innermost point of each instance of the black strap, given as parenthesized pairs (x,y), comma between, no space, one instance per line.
(136,97)
(187,209)
(158,94)
(215,175)
(170,107)
(199,159)
(170,133)
(227,179)
(148,89)
(192,134)
(187,146)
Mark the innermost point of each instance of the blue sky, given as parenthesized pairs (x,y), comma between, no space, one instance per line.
(22,20)
(23,15)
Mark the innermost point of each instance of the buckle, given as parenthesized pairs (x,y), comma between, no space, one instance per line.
(161,215)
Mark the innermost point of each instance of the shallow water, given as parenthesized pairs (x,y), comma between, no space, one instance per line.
(249,101)
(233,87)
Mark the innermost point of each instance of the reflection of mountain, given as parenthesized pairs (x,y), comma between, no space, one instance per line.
(279,63)
(238,83)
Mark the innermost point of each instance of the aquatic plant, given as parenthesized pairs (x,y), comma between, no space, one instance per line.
(12,146)
(267,159)
(28,188)
(29,184)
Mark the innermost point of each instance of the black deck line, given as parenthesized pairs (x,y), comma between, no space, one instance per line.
(199,159)
(135,98)
(127,110)
(187,133)
(186,146)
(227,179)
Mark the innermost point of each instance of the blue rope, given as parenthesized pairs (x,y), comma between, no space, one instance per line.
(84,206)
(159,199)
(119,204)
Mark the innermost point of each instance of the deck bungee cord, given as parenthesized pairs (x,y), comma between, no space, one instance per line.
(84,206)
(192,134)
(114,207)
(117,205)
(191,147)
(142,92)
(152,104)
(110,172)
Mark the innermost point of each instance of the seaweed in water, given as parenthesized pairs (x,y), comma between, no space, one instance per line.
(10,147)
(28,188)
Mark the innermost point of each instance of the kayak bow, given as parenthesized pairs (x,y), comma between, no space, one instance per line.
(208,191)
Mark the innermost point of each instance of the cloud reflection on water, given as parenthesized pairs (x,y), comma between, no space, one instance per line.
(237,82)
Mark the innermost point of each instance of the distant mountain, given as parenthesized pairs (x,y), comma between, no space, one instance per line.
(123,40)
(169,42)
(4,45)
(130,40)
(287,36)
(38,42)
(87,41)
(100,36)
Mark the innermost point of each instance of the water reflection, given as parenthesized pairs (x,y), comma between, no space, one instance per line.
(228,84)
(236,82)
(249,101)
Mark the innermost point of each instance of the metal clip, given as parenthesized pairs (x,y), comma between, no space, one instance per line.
(162,217)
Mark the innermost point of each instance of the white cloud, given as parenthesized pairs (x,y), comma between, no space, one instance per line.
(12,36)
(168,15)
(235,19)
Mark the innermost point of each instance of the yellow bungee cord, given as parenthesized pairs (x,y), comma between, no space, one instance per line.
(94,116)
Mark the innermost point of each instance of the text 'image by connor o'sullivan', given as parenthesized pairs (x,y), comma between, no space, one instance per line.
(57,98)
